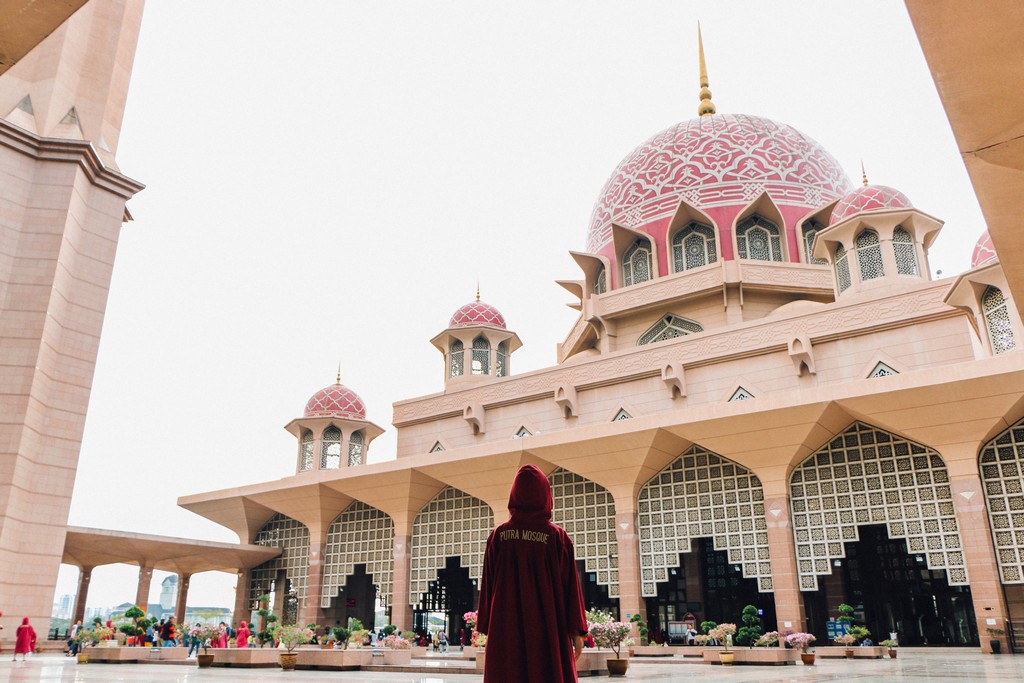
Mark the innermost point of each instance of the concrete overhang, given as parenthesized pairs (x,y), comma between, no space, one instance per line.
(95,547)
(25,23)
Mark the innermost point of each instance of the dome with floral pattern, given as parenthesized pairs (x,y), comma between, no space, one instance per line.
(869,198)
(984,252)
(336,400)
(477,314)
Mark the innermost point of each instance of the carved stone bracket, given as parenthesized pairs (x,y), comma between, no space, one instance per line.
(802,353)
(673,376)
(565,397)
(475,415)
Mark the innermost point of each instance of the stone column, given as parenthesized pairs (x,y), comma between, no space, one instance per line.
(182,601)
(84,577)
(401,610)
(627,542)
(789,602)
(242,607)
(142,593)
(310,611)
(979,554)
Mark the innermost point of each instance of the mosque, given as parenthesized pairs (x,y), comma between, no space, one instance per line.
(766,399)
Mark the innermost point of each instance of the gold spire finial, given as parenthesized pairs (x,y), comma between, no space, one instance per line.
(863,173)
(339,374)
(706,106)
(478,290)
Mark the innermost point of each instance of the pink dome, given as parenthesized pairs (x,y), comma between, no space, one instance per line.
(984,251)
(477,313)
(711,161)
(869,198)
(336,400)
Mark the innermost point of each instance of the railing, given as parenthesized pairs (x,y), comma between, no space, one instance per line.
(1015,635)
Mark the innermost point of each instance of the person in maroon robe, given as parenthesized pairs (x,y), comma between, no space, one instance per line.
(25,641)
(531,605)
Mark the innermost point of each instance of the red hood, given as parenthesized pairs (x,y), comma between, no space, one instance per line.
(531,493)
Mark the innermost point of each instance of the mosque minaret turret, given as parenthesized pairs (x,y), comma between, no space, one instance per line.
(476,344)
(333,431)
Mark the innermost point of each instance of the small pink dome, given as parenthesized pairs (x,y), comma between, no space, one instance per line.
(869,198)
(984,252)
(336,400)
(477,313)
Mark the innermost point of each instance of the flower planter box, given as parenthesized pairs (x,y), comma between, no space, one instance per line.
(839,651)
(419,651)
(116,655)
(335,660)
(594,662)
(160,654)
(761,656)
(653,651)
(245,657)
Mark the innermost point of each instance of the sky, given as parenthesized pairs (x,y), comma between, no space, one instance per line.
(327,182)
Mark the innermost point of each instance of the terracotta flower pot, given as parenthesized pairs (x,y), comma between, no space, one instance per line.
(807,658)
(617,667)
(849,653)
(892,654)
(83,658)
(288,660)
(204,661)
(726,658)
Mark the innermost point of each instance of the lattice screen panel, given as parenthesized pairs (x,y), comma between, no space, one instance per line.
(587,513)
(701,494)
(453,524)
(359,535)
(867,476)
(1002,475)
(292,537)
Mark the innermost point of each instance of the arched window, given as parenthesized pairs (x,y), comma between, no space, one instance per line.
(811,230)
(758,239)
(903,250)
(869,255)
(601,281)
(355,449)
(455,367)
(481,357)
(997,321)
(636,267)
(306,451)
(669,327)
(501,362)
(693,247)
(842,269)
(330,449)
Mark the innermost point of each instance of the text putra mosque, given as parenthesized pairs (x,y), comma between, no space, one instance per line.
(766,399)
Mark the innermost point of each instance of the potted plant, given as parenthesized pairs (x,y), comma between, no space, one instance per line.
(358,631)
(803,642)
(87,637)
(891,646)
(751,629)
(641,627)
(848,640)
(341,636)
(204,634)
(291,636)
(994,634)
(613,635)
(723,633)
(770,639)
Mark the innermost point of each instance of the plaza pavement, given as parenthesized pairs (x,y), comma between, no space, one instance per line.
(914,665)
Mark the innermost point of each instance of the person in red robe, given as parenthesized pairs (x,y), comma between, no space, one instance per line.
(531,605)
(242,635)
(25,640)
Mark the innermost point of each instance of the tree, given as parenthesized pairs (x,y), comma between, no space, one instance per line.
(751,629)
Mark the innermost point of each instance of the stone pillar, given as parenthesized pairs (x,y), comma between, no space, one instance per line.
(789,602)
(242,607)
(182,601)
(979,554)
(627,541)
(401,610)
(310,611)
(142,592)
(84,577)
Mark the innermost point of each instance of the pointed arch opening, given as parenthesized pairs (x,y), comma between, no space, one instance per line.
(356,455)
(360,543)
(758,239)
(455,359)
(869,255)
(810,231)
(904,251)
(997,321)
(306,446)
(693,246)
(1001,463)
(284,577)
(330,449)
(481,364)
(637,263)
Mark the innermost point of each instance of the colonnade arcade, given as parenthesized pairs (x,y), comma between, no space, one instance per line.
(866,495)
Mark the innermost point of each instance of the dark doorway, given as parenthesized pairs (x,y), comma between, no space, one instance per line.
(595,596)
(893,590)
(447,598)
(706,585)
(357,599)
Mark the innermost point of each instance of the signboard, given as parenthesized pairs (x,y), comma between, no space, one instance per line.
(836,628)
